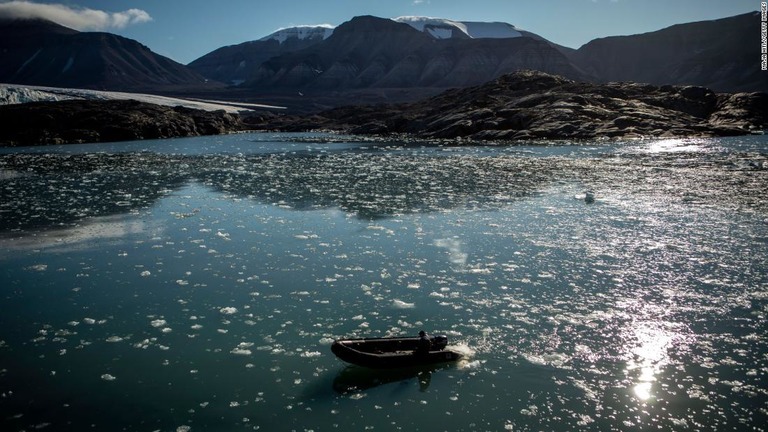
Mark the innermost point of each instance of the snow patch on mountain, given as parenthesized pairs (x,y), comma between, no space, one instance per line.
(492,30)
(441,28)
(321,31)
(438,28)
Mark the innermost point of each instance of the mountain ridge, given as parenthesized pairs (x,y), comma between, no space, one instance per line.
(41,52)
(423,54)
(722,54)
(375,52)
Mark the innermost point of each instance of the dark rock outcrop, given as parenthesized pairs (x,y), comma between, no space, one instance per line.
(83,121)
(534,105)
(40,52)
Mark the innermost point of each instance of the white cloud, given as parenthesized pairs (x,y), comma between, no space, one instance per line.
(74,17)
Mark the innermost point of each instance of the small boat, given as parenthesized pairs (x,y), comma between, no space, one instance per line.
(392,352)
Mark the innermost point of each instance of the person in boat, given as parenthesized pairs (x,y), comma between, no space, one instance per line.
(425,344)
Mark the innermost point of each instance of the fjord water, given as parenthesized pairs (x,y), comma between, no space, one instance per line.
(197,284)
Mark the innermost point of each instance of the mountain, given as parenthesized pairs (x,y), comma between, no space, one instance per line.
(372,52)
(722,54)
(235,64)
(40,52)
(239,63)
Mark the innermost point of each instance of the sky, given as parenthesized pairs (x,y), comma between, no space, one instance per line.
(185,30)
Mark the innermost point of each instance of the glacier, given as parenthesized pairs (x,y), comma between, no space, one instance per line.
(17,94)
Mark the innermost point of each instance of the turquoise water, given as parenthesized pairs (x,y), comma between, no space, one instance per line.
(197,284)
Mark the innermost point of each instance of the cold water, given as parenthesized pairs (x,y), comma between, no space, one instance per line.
(197,284)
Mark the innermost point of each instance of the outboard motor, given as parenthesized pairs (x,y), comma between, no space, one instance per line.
(439,342)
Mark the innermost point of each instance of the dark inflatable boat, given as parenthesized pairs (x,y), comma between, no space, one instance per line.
(393,352)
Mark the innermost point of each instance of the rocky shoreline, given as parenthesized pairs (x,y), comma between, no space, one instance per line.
(523,105)
(87,121)
(530,105)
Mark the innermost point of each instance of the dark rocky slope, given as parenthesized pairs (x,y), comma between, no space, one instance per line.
(721,54)
(40,52)
(235,64)
(534,105)
(78,121)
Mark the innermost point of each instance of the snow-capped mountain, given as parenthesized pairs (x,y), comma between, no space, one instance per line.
(439,28)
(392,39)
(372,52)
(305,32)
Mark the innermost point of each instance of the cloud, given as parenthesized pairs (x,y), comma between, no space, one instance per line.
(74,17)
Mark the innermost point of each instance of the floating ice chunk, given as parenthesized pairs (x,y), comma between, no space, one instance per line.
(143,344)
(182,282)
(196,327)
(240,351)
(532,411)
(166,330)
(158,323)
(145,273)
(108,377)
(311,354)
(114,339)
(89,321)
(38,267)
(557,360)
(399,304)
(228,310)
